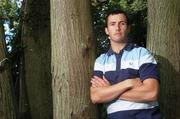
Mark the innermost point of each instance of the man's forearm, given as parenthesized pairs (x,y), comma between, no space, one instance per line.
(105,94)
(147,92)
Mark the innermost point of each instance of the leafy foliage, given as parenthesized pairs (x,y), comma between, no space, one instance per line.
(9,14)
(137,12)
(8,9)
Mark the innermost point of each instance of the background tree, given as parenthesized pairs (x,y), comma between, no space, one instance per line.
(163,40)
(72,59)
(36,59)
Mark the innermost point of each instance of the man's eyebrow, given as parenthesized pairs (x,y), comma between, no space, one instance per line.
(118,22)
(112,22)
(123,21)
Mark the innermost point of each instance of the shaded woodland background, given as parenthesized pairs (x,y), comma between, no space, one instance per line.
(47,51)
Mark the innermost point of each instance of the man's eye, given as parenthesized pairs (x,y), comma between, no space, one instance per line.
(112,24)
(123,23)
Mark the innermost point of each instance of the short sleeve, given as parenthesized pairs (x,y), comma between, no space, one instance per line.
(99,66)
(147,65)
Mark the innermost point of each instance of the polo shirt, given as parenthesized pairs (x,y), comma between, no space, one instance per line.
(132,62)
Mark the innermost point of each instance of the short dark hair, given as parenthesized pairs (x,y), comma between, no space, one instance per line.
(114,12)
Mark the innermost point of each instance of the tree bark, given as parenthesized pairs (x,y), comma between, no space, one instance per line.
(73,54)
(163,41)
(37,58)
(7,97)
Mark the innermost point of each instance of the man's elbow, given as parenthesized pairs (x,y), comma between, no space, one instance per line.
(152,89)
(95,99)
(152,96)
(93,95)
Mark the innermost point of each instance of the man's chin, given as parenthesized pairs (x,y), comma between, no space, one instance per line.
(120,40)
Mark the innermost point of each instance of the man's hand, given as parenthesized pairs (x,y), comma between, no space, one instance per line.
(99,82)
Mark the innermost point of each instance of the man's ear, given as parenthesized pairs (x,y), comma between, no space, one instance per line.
(106,31)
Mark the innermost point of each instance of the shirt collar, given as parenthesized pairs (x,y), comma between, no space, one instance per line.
(128,47)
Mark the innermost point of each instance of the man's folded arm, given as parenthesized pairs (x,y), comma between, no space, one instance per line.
(101,90)
(147,92)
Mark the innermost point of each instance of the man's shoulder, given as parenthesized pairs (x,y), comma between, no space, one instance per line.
(136,47)
(139,49)
(101,57)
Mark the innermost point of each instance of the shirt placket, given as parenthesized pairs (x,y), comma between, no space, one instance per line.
(118,60)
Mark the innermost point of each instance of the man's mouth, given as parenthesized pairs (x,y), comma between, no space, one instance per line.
(119,33)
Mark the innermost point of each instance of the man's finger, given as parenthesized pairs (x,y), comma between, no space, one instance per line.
(106,81)
(96,77)
(94,84)
(100,80)
(97,82)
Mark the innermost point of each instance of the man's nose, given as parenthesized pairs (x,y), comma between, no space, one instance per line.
(118,27)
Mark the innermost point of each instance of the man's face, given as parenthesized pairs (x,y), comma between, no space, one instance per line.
(117,28)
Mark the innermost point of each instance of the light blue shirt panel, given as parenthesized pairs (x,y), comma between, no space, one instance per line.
(99,63)
(105,63)
(130,60)
(146,57)
(110,64)
(136,57)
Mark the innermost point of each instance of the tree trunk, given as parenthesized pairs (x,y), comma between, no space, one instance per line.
(7,97)
(163,40)
(72,59)
(37,58)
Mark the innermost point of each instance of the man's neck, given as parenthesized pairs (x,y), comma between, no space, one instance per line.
(117,47)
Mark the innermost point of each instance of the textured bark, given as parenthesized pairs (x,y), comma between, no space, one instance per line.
(72,59)
(37,58)
(7,102)
(163,40)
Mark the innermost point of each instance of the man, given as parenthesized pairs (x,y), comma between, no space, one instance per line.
(126,76)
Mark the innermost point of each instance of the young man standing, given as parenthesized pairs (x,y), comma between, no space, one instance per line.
(126,76)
